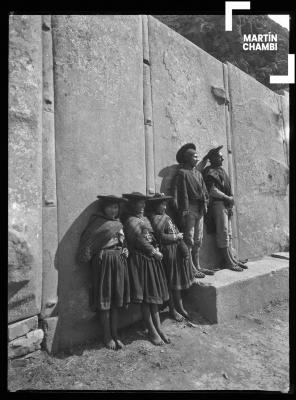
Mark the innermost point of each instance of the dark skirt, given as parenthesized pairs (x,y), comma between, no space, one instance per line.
(178,270)
(147,279)
(110,285)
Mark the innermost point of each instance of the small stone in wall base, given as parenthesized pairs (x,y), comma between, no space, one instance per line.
(21,328)
(25,344)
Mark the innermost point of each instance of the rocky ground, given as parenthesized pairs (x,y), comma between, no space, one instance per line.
(249,353)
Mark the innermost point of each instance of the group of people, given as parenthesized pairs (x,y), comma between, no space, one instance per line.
(139,254)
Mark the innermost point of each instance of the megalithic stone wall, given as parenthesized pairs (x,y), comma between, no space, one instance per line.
(185,109)
(25,167)
(99,129)
(261,165)
(118,96)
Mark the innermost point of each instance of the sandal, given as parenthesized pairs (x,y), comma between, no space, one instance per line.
(207,271)
(235,267)
(198,274)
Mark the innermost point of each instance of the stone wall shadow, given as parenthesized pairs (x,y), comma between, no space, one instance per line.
(210,256)
(77,322)
(75,318)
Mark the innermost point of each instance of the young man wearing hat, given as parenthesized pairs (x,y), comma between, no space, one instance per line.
(220,207)
(191,200)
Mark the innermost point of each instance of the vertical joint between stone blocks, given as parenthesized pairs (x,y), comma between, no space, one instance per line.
(231,154)
(148,111)
(49,209)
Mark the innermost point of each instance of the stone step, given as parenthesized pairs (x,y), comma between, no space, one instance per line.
(228,294)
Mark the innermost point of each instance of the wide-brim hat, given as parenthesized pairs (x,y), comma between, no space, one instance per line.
(214,151)
(182,150)
(135,196)
(159,197)
(111,199)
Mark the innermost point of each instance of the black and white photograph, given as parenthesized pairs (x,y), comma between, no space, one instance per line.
(148,203)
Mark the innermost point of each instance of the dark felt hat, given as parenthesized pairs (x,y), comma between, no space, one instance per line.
(215,151)
(111,199)
(159,197)
(182,151)
(136,196)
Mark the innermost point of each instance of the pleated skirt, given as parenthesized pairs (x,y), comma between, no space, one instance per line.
(147,279)
(178,270)
(110,286)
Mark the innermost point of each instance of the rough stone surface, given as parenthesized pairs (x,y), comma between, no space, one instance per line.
(229,294)
(98,83)
(25,163)
(261,168)
(286,122)
(22,327)
(25,344)
(184,107)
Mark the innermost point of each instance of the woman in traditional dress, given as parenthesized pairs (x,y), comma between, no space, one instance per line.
(176,257)
(103,244)
(147,277)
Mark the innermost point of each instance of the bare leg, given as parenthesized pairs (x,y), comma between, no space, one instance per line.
(173,312)
(236,261)
(152,332)
(229,263)
(114,325)
(107,339)
(156,322)
(194,258)
(179,304)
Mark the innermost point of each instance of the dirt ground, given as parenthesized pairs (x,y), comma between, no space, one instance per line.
(248,353)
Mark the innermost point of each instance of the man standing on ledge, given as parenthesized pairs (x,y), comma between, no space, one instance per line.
(191,200)
(218,218)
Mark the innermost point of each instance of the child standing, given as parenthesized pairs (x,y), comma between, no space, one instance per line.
(102,243)
(147,276)
(176,261)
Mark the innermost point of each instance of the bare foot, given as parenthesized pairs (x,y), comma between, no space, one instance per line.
(119,343)
(164,337)
(155,339)
(185,314)
(176,316)
(110,343)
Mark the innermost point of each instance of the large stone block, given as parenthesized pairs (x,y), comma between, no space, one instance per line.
(228,294)
(99,131)
(185,107)
(25,166)
(261,166)
(22,327)
(26,344)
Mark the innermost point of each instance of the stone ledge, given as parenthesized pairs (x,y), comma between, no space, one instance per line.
(228,294)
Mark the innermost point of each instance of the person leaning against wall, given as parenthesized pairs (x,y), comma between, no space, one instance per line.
(220,210)
(191,200)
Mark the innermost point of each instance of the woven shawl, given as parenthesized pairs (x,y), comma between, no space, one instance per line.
(96,235)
